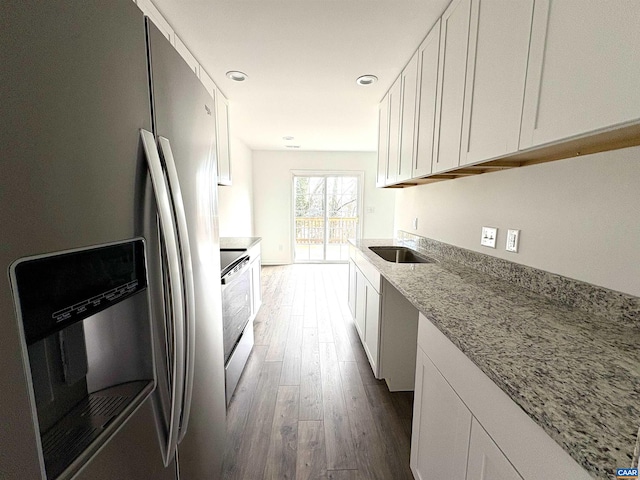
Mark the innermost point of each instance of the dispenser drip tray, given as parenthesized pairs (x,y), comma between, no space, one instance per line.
(76,435)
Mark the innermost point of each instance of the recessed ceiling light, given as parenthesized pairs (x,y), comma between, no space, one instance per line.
(365,80)
(288,138)
(237,76)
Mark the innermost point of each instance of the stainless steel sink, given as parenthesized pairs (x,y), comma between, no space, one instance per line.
(400,255)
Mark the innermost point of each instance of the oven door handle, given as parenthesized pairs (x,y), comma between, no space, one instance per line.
(230,277)
(174,276)
(187,272)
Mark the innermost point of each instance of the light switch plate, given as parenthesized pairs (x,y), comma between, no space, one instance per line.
(513,237)
(489,235)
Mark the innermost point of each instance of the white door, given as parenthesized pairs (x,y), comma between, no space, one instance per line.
(395,118)
(327,212)
(409,78)
(486,461)
(441,426)
(496,71)
(383,142)
(454,37)
(584,69)
(428,56)
(372,327)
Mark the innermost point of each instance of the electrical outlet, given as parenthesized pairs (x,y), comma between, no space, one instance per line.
(489,235)
(513,236)
(415,223)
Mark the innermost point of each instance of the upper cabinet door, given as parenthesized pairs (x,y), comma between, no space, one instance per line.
(454,38)
(496,71)
(428,55)
(409,89)
(222,129)
(383,142)
(187,56)
(584,69)
(395,115)
(150,10)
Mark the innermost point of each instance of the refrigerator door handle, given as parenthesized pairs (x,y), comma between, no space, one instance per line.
(165,212)
(187,270)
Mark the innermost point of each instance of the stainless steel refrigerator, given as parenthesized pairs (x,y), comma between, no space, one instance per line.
(111,356)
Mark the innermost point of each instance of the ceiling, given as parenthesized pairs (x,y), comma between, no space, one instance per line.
(302,58)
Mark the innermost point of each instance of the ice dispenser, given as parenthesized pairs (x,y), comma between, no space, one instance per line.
(84,315)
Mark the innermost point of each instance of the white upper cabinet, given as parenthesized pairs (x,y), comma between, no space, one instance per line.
(584,69)
(222,138)
(409,80)
(187,56)
(395,116)
(150,10)
(496,71)
(383,142)
(428,55)
(207,82)
(454,36)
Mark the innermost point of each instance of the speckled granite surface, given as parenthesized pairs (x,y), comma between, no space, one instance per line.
(238,243)
(593,299)
(574,372)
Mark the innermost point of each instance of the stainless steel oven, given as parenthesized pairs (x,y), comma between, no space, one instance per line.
(236,314)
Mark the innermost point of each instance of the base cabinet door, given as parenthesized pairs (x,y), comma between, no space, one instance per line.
(441,426)
(361,304)
(372,328)
(352,288)
(486,461)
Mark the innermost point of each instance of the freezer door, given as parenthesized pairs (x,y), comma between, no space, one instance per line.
(75,92)
(183,114)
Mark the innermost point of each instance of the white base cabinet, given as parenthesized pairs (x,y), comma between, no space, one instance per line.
(351,298)
(398,332)
(386,323)
(368,319)
(486,461)
(456,405)
(441,426)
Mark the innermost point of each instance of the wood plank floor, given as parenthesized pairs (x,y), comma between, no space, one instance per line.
(307,405)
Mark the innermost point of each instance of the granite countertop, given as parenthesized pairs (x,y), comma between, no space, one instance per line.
(576,374)
(238,243)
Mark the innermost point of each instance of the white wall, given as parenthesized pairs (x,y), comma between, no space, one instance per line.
(235,202)
(578,217)
(272,183)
